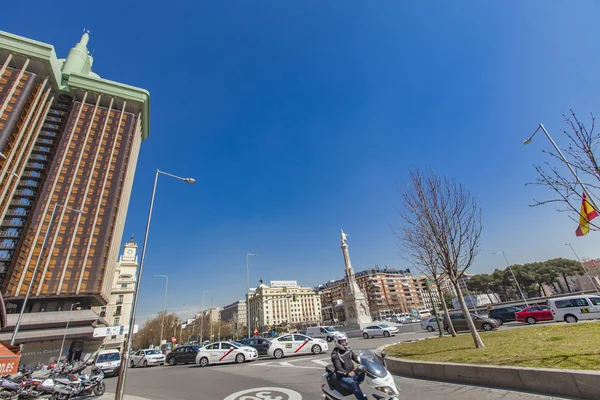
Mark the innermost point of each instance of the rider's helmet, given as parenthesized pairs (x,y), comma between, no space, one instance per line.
(341,343)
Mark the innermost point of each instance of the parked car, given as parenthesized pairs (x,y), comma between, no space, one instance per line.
(225,352)
(504,314)
(430,324)
(573,308)
(183,355)
(259,343)
(325,332)
(296,344)
(460,322)
(146,357)
(533,314)
(109,361)
(379,330)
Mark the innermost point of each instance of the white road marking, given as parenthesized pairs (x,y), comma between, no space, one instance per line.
(322,362)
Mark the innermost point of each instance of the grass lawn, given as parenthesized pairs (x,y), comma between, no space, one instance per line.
(566,346)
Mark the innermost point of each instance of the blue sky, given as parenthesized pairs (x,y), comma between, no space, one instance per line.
(301,118)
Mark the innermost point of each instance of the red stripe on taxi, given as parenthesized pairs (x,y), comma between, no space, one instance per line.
(226,354)
(299,348)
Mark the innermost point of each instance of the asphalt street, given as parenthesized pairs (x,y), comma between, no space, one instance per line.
(301,374)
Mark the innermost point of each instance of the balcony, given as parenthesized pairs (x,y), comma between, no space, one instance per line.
(28,183)
(102,314)
(35,166)
(11,245)
(10,222)
(16,213)
(32,175)
(117,314)
(9,234)
(21,203)
(41,150)
(119,301)
(25,193)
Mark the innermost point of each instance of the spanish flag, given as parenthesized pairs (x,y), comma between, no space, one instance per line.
(586,214)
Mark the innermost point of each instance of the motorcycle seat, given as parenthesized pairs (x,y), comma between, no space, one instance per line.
(64,381)
(333,382)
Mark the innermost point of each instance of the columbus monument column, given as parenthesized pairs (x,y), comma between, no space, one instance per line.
(356,305)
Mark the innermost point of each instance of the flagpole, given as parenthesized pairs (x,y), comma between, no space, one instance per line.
(564,159)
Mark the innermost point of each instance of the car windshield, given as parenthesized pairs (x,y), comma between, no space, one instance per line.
(372,364)
(238,344)
(384,325)
(196,348)
(330,329)
(108,357)
(150,352)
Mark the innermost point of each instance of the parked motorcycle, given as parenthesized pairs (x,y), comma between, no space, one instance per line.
(67,388)
(378,384)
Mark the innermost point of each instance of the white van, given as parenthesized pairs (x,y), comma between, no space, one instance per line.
(325,332)
(574,308)
(109,361)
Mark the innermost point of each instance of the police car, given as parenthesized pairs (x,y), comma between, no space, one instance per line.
(296,344)
(225,352)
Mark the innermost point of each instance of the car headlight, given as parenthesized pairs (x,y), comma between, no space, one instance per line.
(385,389)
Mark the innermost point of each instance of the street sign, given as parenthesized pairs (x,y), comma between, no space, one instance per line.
(174,339)
(114,330)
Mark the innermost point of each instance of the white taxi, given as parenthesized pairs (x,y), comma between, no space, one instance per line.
(146,357)
(225,352)
(296,344)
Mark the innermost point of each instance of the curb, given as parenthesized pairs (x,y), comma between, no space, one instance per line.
(111,396)
(561,382)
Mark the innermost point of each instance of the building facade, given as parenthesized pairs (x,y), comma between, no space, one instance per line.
(69,143)
(283,303)
(388,291)
(429,297)
(118,309)
(235,314)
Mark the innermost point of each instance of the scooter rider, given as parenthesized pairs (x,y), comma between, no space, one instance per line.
(342,357)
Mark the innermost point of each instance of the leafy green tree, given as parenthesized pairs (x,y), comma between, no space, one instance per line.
(481,283)
(565,268)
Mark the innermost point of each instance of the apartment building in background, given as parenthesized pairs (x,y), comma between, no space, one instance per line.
(234,313)
(283,302)
(118,309)
(389,291)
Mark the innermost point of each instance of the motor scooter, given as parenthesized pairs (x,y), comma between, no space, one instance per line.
(378,384)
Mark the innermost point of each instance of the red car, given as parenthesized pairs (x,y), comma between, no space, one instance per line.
(533,314)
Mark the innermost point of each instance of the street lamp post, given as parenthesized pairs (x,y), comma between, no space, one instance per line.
(162,326)
(585,269)
(248,289)
(62,345)
(123,372)
(35,270)
(202,319)
(514,277)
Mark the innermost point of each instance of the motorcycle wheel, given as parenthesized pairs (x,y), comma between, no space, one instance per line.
(100,389)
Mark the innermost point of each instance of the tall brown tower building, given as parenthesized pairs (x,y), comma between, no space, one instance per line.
(69,140)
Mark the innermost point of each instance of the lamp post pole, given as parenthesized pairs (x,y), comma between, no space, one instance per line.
(123,372)
(35,270)
(201,340)
(514,277)
(248,290)
(162,326)
(583,266)
(62,345)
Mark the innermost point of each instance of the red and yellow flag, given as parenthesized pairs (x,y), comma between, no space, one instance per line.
(586,214)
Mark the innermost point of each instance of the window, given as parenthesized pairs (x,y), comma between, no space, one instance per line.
(116,321)
(43,307)
(120,299)
(214,346)
(118,310)
(595,301)
(581,302)
(124,286)
(287,338)
(102,312)
(300,338)
(227,346)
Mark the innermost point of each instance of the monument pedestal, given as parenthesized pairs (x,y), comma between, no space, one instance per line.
(356,305)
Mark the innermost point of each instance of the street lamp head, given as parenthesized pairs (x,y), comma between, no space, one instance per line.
(252,255)
(189,180)
(526,142)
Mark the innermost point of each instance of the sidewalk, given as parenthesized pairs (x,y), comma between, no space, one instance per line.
(111,396)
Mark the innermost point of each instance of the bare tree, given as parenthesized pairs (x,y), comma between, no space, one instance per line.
(442,225)
(416,249)
(581,155)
